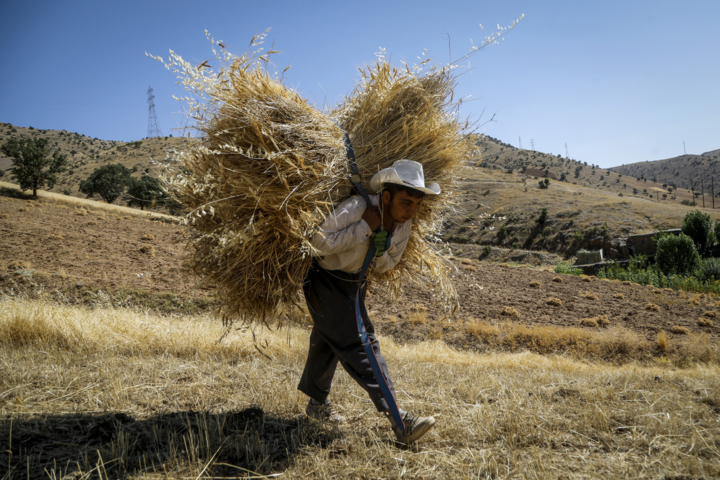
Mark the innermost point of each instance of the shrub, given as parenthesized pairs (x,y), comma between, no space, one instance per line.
(697,225)
(557,279)
(619,296)
(688,202)
(567,269)
(716,230)
(589,322)
(651,307)
(709,270)
(510,311)
(578,236)
(676,254)
(535,284)
(502,232)
(704,322)
(677,329)
(542,217)
(711,314)
(554,301)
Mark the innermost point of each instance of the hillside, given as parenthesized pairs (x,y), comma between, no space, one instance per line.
(499,189)
(85,154)
(501,209)
(95,253)
(684,171)
(494,154)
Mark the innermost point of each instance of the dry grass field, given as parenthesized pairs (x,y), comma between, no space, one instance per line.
(111,393)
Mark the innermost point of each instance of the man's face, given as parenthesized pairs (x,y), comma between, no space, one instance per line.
(402,206)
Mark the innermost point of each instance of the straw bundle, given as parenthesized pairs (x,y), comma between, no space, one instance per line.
(394,114)
(268,169)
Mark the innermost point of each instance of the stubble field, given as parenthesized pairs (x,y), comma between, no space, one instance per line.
(106,372)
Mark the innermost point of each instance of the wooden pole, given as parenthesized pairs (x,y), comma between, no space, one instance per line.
(692,191)
(702,191)
(712,190)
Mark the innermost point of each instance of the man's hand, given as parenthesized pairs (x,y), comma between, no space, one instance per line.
(380,240)
(372,217)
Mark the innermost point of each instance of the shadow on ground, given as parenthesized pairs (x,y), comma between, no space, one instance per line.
(117,445)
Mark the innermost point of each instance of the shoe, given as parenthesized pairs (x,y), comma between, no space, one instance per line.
(415,427)
(324,413)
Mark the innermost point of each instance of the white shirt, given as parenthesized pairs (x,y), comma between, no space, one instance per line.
(344,239)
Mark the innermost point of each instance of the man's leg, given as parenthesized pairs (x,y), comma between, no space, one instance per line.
(320,365)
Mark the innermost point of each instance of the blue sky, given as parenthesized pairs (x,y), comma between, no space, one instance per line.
(618,81)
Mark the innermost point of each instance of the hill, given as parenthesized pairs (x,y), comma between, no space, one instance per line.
(499,195)
(95,253)
(85,154)
(690,172)
(492,153)
(501,208)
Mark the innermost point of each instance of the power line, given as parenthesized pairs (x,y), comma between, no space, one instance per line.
(566,152)
(520,142)
(532,144)
(153,125)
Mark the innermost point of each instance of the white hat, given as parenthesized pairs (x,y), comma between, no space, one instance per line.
(404,172)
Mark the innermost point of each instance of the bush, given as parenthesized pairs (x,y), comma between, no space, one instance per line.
(676,254)
(542,217)
(709,270)
(2,173)
(567,269)
(688,202)
(698,227)
(502,232)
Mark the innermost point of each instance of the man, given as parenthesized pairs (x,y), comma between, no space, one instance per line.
(331,285)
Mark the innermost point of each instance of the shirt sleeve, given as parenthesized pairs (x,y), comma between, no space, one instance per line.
(342,230)
(392,255)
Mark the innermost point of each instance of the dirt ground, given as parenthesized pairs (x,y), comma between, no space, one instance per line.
(58,246)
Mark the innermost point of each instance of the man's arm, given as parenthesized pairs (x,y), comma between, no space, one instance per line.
(392,255)
(350,224)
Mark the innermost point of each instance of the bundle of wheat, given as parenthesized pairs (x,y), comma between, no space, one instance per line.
(268,168)
(394,114)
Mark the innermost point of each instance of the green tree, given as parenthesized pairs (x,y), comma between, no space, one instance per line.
(146,192)
(676,254)
(108,181)
(34,165)
(698,226)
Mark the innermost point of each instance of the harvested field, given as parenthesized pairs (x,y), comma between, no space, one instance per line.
(103,264)
(112,393)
